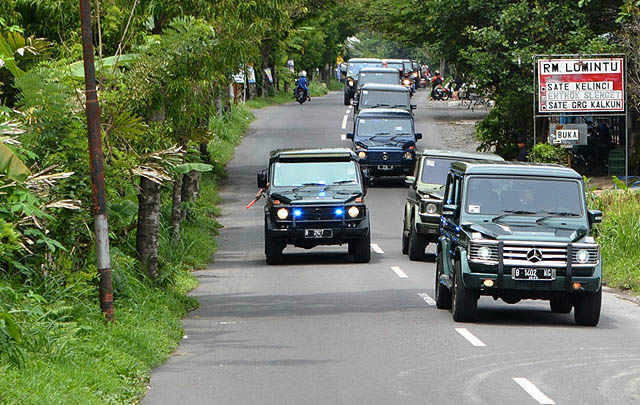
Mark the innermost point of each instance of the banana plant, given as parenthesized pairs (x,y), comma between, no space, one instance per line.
(16,48)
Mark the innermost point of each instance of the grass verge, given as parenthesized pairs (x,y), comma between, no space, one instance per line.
(54,346)
(315,90)
(619,237)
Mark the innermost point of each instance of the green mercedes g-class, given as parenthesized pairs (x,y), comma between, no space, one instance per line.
(314,197)
(518,231)
(422,211)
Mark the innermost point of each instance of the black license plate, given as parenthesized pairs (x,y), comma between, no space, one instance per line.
(318,233)
(527,273)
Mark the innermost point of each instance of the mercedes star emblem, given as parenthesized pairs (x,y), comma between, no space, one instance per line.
(534,255)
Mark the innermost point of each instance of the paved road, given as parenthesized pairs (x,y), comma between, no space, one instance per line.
(321,329)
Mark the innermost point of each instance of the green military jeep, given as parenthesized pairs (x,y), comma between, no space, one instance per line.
(422,210)
(314,197)
(517,231)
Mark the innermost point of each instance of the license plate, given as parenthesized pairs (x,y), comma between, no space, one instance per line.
(385,167)
(533,274)
(318,233)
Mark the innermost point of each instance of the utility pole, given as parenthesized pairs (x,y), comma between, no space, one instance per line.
(101,225)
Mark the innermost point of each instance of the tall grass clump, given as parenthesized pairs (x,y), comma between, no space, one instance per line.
(619,237)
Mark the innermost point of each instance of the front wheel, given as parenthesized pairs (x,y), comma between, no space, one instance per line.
(361,249)
(464,302)
(443,294)
(417,244)
(347,99)
(273,250)
(587,308)
(561,305)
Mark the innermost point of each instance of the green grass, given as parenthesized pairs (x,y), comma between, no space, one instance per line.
(619,238)
(66,354)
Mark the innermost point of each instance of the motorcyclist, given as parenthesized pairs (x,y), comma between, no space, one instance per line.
(436,81)
(303,83)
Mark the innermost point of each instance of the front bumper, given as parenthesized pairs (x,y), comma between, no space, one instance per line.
(296,235)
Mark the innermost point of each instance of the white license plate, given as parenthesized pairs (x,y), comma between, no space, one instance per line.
(526,273)
(385,167)
(318,233)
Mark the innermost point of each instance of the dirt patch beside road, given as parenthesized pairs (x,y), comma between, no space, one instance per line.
(457,124)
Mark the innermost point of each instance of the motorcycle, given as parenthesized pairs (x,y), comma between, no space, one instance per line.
(441,93)
(301,97)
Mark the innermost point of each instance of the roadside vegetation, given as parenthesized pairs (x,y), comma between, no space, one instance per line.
(168,129)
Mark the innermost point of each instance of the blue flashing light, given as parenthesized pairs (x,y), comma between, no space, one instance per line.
(339,211)
(297,213)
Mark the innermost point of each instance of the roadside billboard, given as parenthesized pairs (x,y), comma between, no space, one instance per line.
(581,85)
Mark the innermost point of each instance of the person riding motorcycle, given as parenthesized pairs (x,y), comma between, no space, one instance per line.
(303,83)
(436,81)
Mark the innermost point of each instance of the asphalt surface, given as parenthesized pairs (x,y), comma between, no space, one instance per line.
(321,329)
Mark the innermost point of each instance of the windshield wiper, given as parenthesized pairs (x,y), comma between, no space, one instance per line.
(556,214)
(512,212)
(383,133)
(306,185)
(399,105)
(379,105)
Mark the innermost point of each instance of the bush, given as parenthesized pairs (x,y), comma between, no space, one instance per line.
(545,153)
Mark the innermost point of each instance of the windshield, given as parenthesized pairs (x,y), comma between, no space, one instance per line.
(408,66)
(382,78)
(382,98)
(354,68)
(397,65)
(295,174)
(434,171)
(500,195)
(401,128)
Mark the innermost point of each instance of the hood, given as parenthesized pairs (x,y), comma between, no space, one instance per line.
(529,231)
(316,195)
(435,192)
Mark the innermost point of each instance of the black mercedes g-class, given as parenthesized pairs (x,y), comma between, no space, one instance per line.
(518,231)
(351,79)
(314,197)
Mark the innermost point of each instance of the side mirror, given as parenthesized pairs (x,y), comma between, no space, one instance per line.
(418,135)
(449,210)
(410,180)
(414,106)
(262,179)
(349,135)
(595,216)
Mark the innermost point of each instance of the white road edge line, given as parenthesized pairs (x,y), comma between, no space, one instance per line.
(377,248)
(533,391)
(399,272)
(427,298)
(470,337)
(344,122)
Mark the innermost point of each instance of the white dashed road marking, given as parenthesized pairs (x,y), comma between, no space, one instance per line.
(348,112)
(376,248)
(344,122)
(399,272)
(427,299)
(533,391)
(470,337)
(343,137)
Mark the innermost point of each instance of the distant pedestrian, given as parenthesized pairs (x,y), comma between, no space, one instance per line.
(522,150)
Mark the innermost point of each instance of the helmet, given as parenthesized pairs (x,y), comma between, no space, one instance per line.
(437,72)
(302,73)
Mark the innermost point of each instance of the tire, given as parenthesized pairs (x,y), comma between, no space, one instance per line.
(417,244)
(347,99)
(443,294)
(405,238)
(587,308)
(361,249)
(464,303)
(273,251)
(561,305)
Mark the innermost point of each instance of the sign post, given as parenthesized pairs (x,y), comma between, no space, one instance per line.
(571,85)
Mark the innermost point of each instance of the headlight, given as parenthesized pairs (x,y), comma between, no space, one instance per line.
(431,208)
(362,154)
(408,155)
(484,253)
(283,213)
(414,74)
(582,256)
(353,211)
(406,82)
